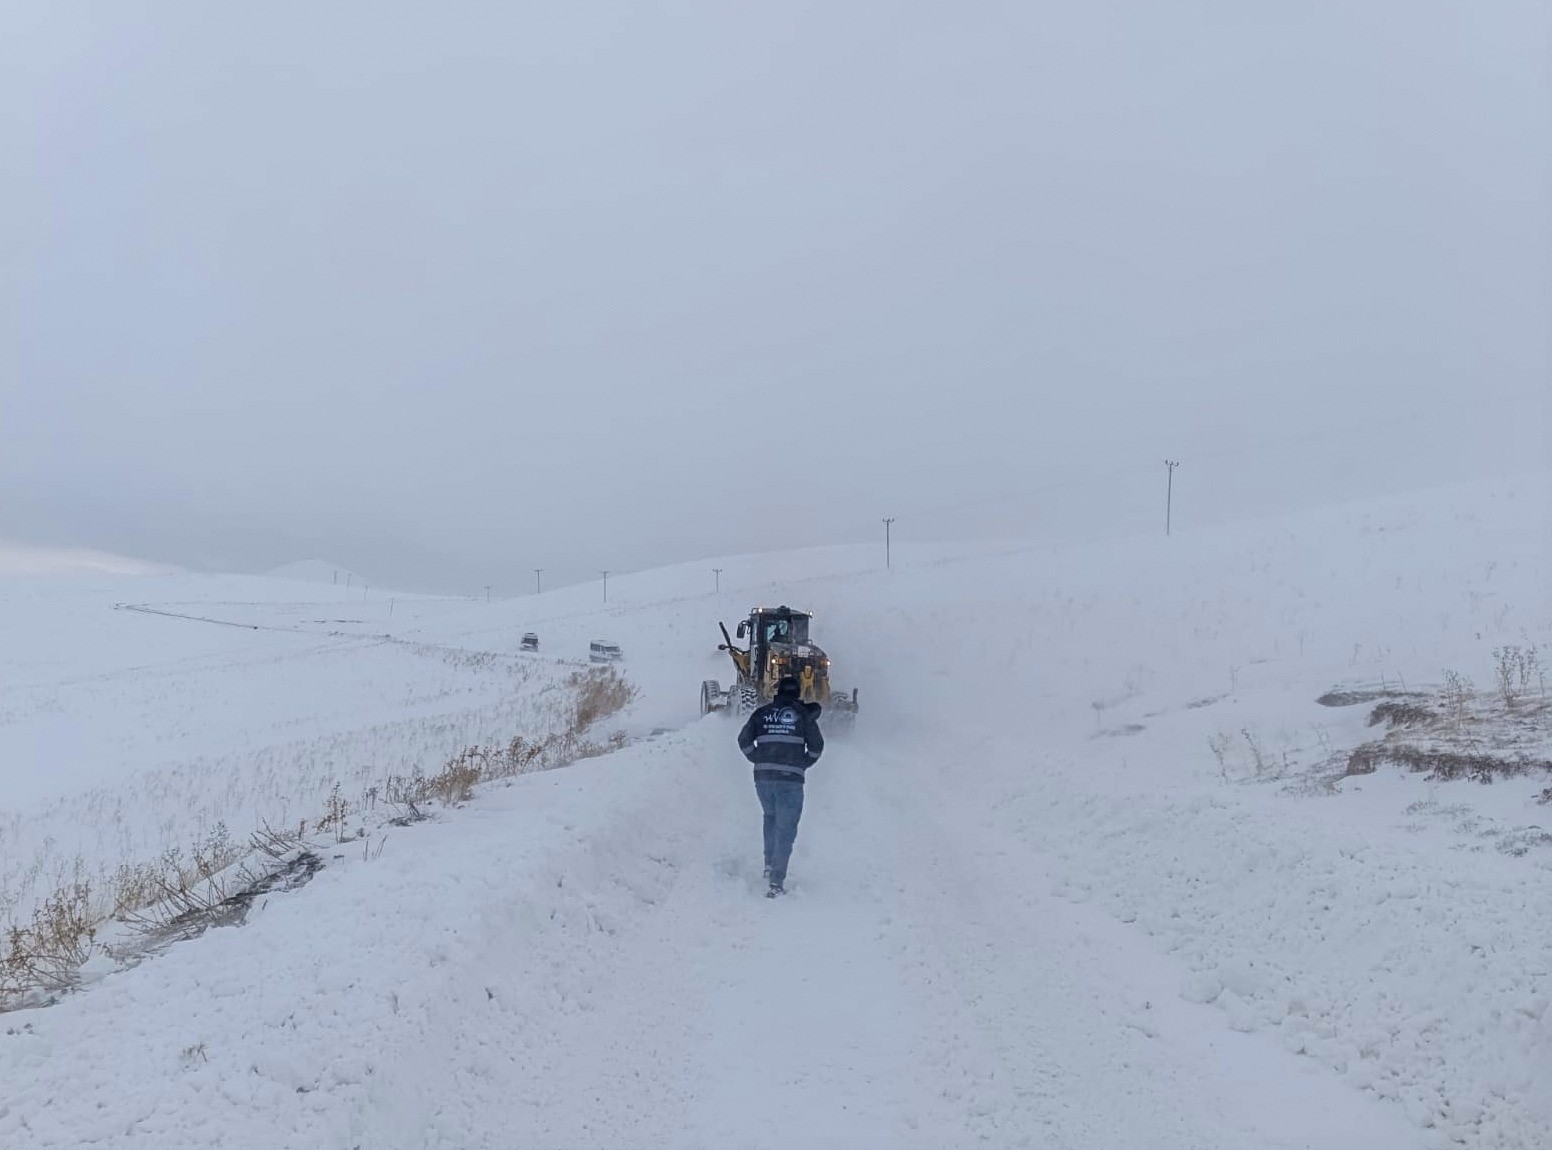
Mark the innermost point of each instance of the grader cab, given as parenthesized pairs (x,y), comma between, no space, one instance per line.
(778,645)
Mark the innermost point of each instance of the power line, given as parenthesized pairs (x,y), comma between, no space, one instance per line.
(1240,448)
(1026,492)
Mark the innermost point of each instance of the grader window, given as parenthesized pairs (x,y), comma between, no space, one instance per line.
(786,629)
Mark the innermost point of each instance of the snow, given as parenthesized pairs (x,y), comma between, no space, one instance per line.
(139,731)
(318,571)
(1083,875)
(579,961)
(17,559)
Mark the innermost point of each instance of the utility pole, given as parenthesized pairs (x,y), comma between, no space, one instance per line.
(1169,494)
(887,524)
(487,592)
(606,586)
(538,580)
(717,571)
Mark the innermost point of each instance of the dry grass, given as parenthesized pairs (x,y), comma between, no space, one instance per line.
(1398,714)
(45,955)
(134,887)
(1352,696)
(599,693)
(278,861)
(1519,674)
(1458,733)
(179,895)
(1445,765)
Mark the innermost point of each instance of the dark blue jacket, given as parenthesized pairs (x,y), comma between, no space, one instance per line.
(782,739)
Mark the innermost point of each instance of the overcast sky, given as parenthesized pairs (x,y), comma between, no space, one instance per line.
(447,292)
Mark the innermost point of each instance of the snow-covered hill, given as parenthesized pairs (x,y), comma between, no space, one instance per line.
(30,559)
(319,571)
(1089,873)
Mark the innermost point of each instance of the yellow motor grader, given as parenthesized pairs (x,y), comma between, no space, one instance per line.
(778,646)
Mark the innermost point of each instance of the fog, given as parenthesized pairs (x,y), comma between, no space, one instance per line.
(446,293)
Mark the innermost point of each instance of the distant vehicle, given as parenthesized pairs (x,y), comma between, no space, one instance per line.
(530,642)
(600,652)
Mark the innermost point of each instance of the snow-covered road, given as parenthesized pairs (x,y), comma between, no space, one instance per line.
(585,961)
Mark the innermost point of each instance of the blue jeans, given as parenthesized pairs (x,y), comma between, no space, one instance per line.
(783,805)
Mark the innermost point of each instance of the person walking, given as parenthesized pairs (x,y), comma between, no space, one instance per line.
(782,740)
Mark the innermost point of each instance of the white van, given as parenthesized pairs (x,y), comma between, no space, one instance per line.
(599,651)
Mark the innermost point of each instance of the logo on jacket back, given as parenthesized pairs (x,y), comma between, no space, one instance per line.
(780,720)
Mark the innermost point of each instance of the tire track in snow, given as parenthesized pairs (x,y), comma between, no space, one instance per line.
(711,1017)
